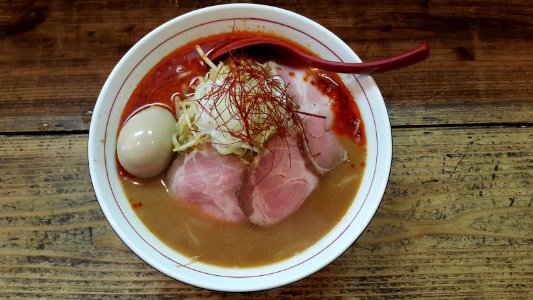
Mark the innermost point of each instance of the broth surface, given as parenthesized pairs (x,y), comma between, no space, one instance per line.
(246,245)
(243,245)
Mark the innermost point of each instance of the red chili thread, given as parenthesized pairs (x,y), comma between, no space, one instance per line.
(265,106)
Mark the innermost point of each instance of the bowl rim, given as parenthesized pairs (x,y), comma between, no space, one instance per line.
(312,268)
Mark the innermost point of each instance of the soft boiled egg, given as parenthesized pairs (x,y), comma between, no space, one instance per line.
(144,145)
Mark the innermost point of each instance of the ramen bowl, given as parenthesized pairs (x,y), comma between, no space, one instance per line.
(159,43)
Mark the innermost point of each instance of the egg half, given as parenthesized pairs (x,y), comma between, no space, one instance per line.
(144,145)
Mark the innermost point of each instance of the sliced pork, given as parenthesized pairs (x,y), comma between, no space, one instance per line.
(209,181)
(322,148)
(278,183)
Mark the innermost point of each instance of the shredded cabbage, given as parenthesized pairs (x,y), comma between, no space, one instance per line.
(195,125)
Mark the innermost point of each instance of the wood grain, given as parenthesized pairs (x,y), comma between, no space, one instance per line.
(456,222)
(56,55)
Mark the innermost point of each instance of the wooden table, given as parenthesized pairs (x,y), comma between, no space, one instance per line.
(457,217)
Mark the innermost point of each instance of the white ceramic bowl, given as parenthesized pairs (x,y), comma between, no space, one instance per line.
(162,41)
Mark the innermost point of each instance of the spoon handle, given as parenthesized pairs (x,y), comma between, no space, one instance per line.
(408,58)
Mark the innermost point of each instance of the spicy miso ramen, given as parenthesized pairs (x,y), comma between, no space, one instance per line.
(243,161)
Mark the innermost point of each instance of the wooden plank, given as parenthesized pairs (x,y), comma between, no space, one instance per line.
(455,222)
(55,56)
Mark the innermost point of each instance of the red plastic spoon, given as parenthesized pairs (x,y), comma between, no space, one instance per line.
(408,58)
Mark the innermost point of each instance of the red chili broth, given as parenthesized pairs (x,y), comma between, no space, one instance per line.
(162,82)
